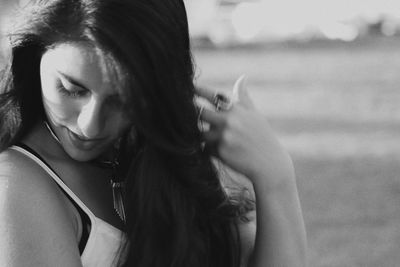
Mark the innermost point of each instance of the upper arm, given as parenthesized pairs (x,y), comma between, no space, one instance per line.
(35,226)
(247,231)
(234,183)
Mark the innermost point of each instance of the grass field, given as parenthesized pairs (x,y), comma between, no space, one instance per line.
(337,109)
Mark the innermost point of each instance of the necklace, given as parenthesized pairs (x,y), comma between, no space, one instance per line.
(117,186)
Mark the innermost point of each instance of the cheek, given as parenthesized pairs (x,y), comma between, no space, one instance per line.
(57,107)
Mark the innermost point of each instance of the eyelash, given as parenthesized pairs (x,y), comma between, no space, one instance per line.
(72,94)
(116,103)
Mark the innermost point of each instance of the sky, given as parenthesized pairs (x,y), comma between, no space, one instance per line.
(282,18)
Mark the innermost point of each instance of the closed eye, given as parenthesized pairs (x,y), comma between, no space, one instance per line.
(69,87)
(73,93)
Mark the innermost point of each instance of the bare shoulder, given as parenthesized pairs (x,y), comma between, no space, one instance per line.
(22,178)
(35,225)
(247,230)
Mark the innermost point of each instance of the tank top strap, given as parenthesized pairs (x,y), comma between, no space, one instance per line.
(35,157)
(104,244)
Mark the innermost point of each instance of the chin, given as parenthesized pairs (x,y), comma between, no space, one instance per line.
(81,155)
(84,153)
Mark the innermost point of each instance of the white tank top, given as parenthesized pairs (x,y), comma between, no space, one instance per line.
(104,244)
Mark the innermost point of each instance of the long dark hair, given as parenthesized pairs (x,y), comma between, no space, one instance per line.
(178,214)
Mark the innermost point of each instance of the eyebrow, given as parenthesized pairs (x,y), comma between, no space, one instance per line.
(72,80)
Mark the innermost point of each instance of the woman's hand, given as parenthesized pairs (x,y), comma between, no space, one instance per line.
(242,139)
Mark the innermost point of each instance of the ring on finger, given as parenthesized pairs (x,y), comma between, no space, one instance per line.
(221,102)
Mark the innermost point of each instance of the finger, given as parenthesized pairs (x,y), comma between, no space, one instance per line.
(200,109)
(217,99)
(212,117)
(206,93)
(241,93)
(201,102)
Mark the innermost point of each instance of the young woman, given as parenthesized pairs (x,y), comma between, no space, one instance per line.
(103,162)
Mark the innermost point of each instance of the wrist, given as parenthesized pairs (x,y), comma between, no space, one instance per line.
(276,175)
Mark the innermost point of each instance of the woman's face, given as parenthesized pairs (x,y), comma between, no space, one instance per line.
(81,100)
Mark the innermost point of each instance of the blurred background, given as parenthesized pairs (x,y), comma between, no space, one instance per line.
(327,76)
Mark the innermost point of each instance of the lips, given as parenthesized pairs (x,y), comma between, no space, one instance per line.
(84,139)
(82,142)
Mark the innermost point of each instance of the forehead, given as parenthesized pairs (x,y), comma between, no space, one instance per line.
(86,64)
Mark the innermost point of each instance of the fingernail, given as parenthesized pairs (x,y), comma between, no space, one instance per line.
(241,80)
(235,91)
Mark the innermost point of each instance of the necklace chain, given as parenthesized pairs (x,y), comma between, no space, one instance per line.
(117,186)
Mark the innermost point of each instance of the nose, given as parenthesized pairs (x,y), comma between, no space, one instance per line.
(90,120)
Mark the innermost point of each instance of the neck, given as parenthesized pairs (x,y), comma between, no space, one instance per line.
(38,136)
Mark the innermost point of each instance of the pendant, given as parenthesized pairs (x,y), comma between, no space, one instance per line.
(117,187)
(119,208)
